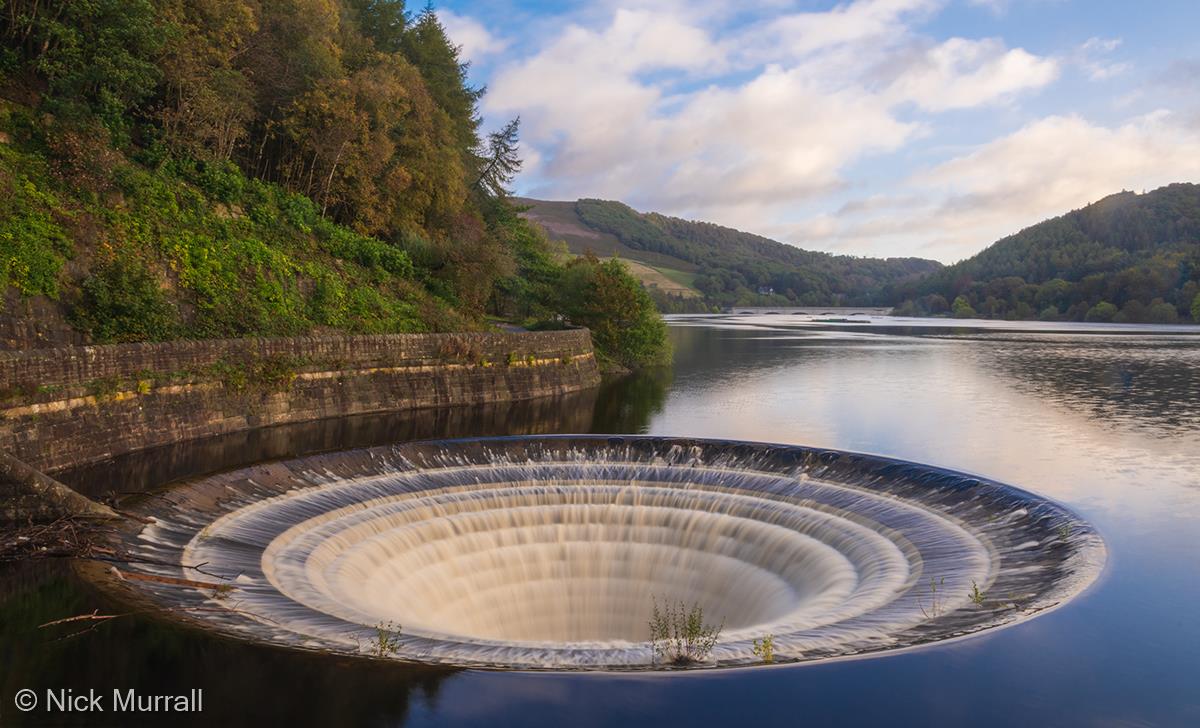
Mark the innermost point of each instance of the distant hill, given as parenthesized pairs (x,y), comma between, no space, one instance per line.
(708,265)
(1127,257)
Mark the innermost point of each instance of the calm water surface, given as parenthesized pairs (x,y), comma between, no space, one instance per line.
(1104,419)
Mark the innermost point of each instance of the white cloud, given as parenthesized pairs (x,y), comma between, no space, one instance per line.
(1092,57)
(962,73)
(653,107)
(1044,169)
(775,122)
(475,40)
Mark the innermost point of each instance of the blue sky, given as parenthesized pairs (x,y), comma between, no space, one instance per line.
(867,127)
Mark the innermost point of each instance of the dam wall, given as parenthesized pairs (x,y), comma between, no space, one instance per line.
(70,406)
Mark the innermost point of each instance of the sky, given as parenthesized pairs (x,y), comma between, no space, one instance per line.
(925,128)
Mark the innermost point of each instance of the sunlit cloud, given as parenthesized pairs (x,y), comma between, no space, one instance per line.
(825,128)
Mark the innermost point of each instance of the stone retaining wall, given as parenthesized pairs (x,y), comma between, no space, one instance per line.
(71,406)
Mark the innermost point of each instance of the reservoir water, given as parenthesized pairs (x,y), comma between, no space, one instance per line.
(1104,420)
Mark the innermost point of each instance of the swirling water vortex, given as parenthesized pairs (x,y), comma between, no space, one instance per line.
(550,552)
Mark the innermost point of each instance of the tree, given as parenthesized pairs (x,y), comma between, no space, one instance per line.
(1162,312)
(501,160)
(961,308)
(207,101)
(605,298)
(96,56)
(1196,308)
(429,49)
(383,21)
(1102,312)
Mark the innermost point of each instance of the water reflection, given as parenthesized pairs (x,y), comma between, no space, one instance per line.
(243,684)
(142,471)
(1107,422)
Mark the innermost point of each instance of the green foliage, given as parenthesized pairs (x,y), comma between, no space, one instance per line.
(1127,258)
(121,301)
(605,298)
(1102,312)
(736,268)
(531,292)
(961,308)
(367,252)
(99,54)
(680,636)
(235,168)
(33,244)
(427,47)
(765,649)
(936,605)
(1196,308)
(383,21)
(977,597)
(386,641)
(198,250)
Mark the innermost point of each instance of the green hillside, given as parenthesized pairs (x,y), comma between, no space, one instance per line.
(234,168)
(725,266)
(1126,258)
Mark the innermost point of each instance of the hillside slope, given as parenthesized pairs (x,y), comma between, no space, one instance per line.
(723,265)
(189,250)
(1128,257)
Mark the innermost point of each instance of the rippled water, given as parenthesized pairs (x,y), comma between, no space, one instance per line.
(1106,422)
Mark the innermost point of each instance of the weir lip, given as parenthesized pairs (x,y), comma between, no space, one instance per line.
(549,552)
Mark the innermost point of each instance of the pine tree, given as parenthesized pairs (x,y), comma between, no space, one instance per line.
(501,160)
(383,21)
(429,49)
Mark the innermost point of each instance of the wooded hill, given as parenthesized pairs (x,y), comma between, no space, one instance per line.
(721,265)
(213,168)
(1127,258)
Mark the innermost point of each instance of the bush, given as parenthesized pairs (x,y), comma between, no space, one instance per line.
(33,245)
(961,308)
(680,636)
(367,252)
(122,301)
(223,181)
(625,325)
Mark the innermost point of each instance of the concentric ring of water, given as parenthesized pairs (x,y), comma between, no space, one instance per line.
(552,552)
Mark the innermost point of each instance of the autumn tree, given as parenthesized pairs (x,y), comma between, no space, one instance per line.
(429,49)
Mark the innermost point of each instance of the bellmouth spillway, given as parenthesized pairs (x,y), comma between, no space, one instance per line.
(550,552)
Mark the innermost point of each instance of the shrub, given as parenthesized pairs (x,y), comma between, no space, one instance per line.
(626,327)
(33,245)
(961,308)
(122,301)
(765,648)
(680,636)
(368,252)
(222,181)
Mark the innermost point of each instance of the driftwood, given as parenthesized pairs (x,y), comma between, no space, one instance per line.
(64,500)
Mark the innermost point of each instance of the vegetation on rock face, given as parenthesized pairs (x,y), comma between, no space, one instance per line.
(209,168)
(1126,258)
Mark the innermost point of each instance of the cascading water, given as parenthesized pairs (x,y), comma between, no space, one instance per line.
(550,552)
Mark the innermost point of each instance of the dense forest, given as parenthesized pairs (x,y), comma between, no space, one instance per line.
(200,168)
(737,268)
(1126,258)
